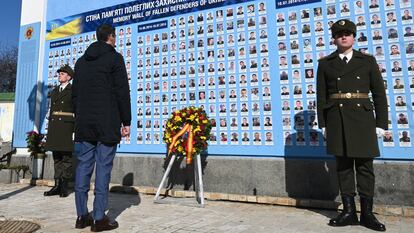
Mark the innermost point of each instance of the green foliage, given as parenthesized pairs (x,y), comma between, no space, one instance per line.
(18,168)
(35,142)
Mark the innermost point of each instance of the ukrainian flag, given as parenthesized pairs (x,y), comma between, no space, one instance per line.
(68,29)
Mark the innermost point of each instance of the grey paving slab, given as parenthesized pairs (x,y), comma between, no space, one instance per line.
(138,213)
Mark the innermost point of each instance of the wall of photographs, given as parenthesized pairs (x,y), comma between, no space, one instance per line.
(252,65)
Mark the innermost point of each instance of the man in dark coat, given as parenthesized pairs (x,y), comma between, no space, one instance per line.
(346,117)
(102,115)
(60,132)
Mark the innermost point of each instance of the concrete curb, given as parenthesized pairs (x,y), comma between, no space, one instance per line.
(392,210)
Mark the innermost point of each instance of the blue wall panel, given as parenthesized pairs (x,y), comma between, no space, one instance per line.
(26,87)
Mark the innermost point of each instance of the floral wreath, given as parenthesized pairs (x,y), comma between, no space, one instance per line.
(187,132)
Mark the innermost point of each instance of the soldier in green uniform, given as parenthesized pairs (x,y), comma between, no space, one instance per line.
(60,130)
(346,117)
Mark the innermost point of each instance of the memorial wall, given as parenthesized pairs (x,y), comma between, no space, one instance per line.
(250,64)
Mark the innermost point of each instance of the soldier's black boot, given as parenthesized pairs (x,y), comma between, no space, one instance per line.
(367,217)
(348,215)
(55,189)
(64,192)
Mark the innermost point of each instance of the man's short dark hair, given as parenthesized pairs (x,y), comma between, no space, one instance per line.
(104,31)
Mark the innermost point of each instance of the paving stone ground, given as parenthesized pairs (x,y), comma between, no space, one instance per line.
(138,213)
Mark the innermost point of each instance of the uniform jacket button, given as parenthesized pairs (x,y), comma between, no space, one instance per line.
(339,79)
(358,105)
(341,105)
(358,77)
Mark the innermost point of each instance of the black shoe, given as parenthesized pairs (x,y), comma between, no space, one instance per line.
(104,225)
(84,221)
(367,217)
(64,192)
(55,189)
(348,215)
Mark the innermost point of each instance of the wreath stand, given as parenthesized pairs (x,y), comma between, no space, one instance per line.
(198,182)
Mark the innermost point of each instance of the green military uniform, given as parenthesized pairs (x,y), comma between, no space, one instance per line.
(59,138)
(345,117)
(347,113)
(60,131)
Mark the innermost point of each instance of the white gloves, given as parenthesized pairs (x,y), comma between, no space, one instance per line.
(380,132)
(323,130)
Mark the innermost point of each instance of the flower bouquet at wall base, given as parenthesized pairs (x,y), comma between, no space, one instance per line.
(35,143)
(187,132)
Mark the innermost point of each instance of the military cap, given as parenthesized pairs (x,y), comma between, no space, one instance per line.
(67,69)
(343,25)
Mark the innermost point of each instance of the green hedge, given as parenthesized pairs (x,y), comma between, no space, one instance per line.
(24,168)
(8,96)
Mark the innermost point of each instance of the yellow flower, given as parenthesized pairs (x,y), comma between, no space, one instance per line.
(180,149)
(191,118)
(203,138)
(177,118)
(205,121)
(197,129)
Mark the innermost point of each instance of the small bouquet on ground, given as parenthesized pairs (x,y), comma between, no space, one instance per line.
(187,132)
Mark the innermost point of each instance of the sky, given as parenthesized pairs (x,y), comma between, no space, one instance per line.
(10,16)
(11,10)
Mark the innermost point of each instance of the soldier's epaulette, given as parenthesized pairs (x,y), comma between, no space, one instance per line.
(367,54)
(332,55)
(322,58)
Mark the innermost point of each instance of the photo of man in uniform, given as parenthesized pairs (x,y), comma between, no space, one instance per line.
(388,137)
(404,137)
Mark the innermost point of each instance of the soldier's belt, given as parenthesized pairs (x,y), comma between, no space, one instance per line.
(349,96)
(56,113)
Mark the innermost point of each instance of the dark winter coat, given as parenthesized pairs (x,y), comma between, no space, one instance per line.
(350,123)
(60,126)
(101,95)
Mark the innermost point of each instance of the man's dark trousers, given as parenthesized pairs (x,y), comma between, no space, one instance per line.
(364,176)
(102,155)
(63,164)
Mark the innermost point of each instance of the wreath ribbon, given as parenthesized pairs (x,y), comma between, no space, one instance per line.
(189,148)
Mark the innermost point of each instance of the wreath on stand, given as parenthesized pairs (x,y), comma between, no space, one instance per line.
(187,132)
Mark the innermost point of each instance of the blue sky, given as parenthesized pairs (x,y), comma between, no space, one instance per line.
(10,16)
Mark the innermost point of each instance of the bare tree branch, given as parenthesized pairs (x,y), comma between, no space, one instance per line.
(8,67)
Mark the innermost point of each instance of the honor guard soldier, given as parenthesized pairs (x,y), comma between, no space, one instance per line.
(346,116)
(60,132)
